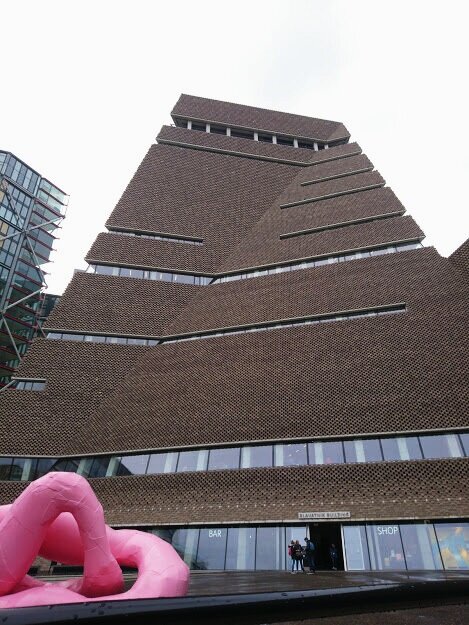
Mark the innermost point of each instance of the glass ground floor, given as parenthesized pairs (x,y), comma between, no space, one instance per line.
(383,546)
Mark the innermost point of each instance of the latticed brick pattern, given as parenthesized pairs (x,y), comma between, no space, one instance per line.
(62,418)
(460,258)
(122,250)
(262,119)
(399,373)
(213,196)
(108,299)
(397,490)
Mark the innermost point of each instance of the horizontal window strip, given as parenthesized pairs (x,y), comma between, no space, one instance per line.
(147,274)
(289,453)
(25,384)
(270,325)
(173,238)
(337,176)
(258,157)
(112,339)
(342,224)
(329,196)
(204,280)
(318,261)
(289,323)
(206,334)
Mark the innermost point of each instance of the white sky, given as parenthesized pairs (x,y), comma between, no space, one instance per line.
(86,85)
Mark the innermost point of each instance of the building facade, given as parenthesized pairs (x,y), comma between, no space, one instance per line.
(262,349)
(31,210)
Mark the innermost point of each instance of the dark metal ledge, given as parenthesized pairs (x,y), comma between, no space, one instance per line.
(376,595)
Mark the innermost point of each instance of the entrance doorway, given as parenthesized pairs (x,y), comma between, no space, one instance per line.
(323,536)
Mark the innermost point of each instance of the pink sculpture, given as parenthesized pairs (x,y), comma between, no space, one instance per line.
(59,517)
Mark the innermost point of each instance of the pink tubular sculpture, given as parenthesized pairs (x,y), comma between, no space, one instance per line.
(59,517)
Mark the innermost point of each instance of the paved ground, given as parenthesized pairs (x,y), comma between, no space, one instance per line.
(205,583)
(436,615)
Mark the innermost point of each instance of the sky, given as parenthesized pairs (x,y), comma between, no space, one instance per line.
(88,84)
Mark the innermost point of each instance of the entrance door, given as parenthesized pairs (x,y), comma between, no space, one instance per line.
(323,536)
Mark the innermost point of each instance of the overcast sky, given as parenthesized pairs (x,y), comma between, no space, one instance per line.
(86,85)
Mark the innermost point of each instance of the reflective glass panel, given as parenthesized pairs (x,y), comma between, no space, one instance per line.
(420,547)
(258,456)
(364,450)
(133,465)
(241,548)
(212,547)
(98,467)
(5,467)
(17,468)
(356,548)
(163,463)
(195,460)
(386,551)
(224,458)
(453,539)
(326,452)
(41,467)
(185,542)
(270,548)
(465,441)
(402,448)
(441,446)
(293,454)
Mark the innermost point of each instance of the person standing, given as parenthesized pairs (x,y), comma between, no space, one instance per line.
(309,556)
(334,556)
(297,551)
(291,548)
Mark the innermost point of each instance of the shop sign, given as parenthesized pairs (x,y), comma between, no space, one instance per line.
(324,515)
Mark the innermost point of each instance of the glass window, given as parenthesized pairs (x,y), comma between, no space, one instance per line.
(386,550)
(441,446)
(241,548)
(185,542)
(17,467)
(224,458)
(212,548)
(163,463)
(402,448)
(98,467)
(293,454)
(355,548)
(420,547)
(183,278)
(5,467)
(136,273)
(41,467)
(133,465)
(362,450)
(257,456)
(195,460)
(125,272)
(465,441)
(326,452)
(453,539)
(270,548)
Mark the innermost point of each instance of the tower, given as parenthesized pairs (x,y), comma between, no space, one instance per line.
(262,349)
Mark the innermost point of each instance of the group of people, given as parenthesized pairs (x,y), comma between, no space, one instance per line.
(303,556)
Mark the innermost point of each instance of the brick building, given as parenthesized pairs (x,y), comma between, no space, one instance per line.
(263,348)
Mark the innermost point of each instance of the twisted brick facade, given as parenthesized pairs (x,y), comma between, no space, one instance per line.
(355,378)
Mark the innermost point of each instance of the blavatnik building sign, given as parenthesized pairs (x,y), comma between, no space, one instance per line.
(260,307)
